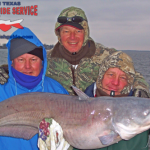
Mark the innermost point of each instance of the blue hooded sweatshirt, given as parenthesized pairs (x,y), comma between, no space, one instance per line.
(12,88)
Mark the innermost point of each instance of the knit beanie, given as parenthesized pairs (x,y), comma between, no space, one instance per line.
(21,46)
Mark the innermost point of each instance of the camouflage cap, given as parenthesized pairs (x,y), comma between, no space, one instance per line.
(71,12)
(123,62)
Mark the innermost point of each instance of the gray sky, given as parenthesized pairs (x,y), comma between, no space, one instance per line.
(122,24)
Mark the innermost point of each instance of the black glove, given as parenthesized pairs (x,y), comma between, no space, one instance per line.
(3,75)
(140,93)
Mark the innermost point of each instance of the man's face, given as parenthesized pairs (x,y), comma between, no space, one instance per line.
(114,80)
(28,64)
(71,38)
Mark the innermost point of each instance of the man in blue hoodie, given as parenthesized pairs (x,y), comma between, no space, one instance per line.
(27,65)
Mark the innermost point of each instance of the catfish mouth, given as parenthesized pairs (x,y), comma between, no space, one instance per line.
(127,132)
(133,124)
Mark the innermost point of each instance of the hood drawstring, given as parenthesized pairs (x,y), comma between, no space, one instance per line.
(15,86)
(42,84)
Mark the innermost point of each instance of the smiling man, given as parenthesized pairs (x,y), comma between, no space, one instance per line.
(114,80)
(72,38)
(75,59)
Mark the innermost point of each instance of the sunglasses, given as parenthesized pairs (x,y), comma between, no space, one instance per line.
(75,19)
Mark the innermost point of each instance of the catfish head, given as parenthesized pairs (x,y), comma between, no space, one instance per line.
(131,118)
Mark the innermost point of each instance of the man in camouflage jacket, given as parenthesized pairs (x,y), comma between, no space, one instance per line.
(80,66)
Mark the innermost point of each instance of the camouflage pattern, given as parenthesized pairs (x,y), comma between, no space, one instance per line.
(141,85)
(88,68)
(4,74)
(71,12)
(123,62)
(87,71)
(85,74)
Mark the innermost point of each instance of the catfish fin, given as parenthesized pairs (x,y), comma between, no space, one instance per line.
(108,139)
(82,95)
(18,131)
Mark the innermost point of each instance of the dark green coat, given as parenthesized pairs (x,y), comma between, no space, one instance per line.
(139,142)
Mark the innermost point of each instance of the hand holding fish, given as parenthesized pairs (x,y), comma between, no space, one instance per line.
(51,136)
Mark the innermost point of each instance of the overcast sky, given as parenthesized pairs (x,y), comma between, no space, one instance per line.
(122,24)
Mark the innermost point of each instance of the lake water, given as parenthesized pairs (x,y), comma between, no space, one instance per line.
(3,56)
(141,61)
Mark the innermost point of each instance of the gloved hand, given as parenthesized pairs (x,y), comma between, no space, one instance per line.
(51,136)
(3,76)
(140,93)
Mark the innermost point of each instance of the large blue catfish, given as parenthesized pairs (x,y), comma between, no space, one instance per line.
(87,124)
